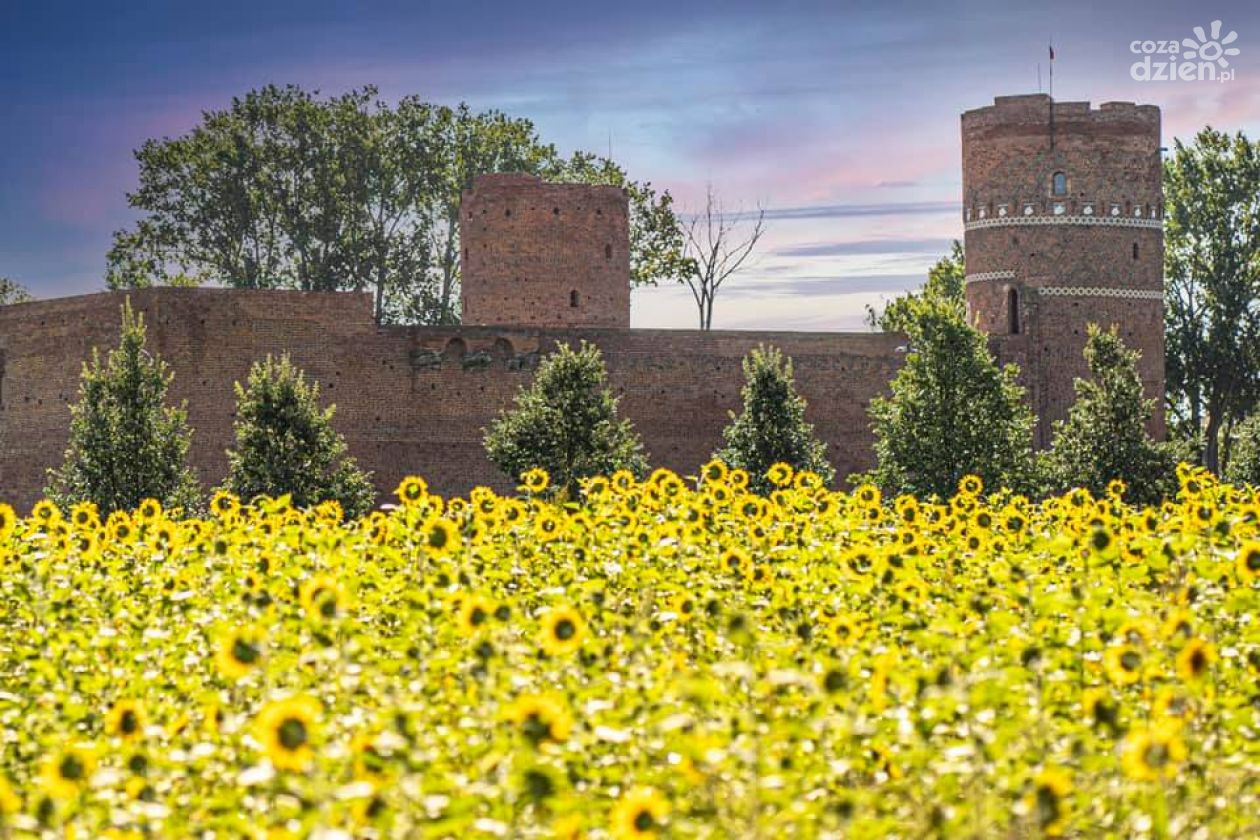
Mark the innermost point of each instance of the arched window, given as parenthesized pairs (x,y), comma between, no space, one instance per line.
(1012,311)
(1135,251)
(1060,183)
(573,298)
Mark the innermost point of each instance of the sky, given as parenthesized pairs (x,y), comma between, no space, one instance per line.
(839,118)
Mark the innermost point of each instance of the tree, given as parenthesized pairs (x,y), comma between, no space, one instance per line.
(286,190)
(1244,462)
(285,443)
(12,291)
(1104,436)
(1212,258)
(566,423)
(717,244)
(772,427)
(952,410)
(946,284)
(126,445)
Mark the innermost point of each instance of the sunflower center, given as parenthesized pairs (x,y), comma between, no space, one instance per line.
(292,734)
(128,722)
(477,617)
(1130,660)
(244,652)
(565,629)
(539,784)
(71,768)
(643,821)
(1156,755)
(1253,561)
(536,729)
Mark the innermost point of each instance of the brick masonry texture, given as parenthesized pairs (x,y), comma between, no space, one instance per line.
(545,264)
(409,399)
(1110,162)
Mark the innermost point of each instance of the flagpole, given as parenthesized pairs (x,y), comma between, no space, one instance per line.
(1052,94)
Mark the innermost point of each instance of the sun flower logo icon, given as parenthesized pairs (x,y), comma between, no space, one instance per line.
(1210,49)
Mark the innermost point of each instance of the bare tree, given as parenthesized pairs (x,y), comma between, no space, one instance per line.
(717,245)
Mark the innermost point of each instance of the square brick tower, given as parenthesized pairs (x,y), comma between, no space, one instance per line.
(1063,212)
(544,255)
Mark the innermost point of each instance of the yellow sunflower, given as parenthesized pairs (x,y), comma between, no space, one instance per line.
(286,729)
(536,480)
(125,720)
(67,772)
(1123,664)
(322,597)
(1154,753)
(779,474)
(1248,562)
(1195,659)
(474,612)
(441,537)
(8,521)
(542,719)
(1049,801)
(411,490)
(563,631)
(239,652)
(224,505)
(637,815)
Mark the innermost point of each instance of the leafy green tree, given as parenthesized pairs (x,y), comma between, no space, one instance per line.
(1104,436)
(286,190)
(946,283)
(566,423)
(1244,461)
(285,443)
(126,445)
(12,291)
(1212,262)
(772,427)
(952,410)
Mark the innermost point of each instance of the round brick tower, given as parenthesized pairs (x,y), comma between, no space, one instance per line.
(1063,213)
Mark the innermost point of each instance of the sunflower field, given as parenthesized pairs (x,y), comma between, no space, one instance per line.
(674,657)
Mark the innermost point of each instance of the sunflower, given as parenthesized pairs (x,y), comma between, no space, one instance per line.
(8,521)
(45,512)
(970,485)
(322,597)
(411,490)
(714,472)
(547,526)
(1049,801)
(845,629)
(638,814)
(542,719)
(239,653)
(125,720)
(149,510)
(1123,664)
(224,505)
(441,537)
(1154,753)
(10,802)
(1195,659)
(286,729)
(563,631)
(474,612)
(67,771)
(535,480)
(779,474)
(735,561)
(1248,562)
(684,605)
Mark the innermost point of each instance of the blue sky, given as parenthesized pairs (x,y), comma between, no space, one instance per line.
(841,118)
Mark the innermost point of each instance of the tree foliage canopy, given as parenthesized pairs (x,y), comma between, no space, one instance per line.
(1212,264)
(952,410)
(945,284)
(771,428)
(1104,436)
(565,422)
(12,291)
(126,445)
(283,189)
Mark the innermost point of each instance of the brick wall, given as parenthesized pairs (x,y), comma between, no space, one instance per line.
(542,254)
(410,399)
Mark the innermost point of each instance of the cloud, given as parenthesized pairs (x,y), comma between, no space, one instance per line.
(865,246)
(847,211)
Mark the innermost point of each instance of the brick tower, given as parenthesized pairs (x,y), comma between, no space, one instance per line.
(546,255)
(1063,213)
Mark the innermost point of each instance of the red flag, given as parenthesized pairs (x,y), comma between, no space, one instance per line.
(1052,52)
